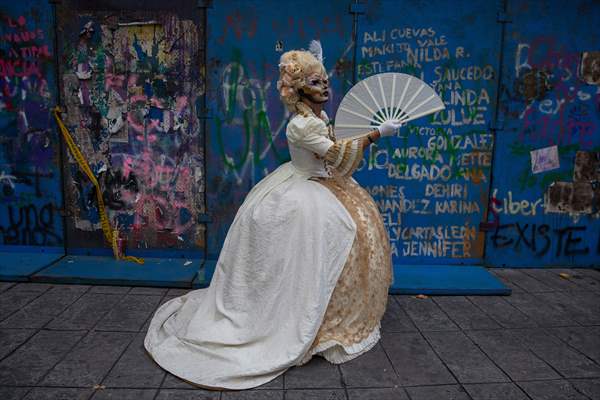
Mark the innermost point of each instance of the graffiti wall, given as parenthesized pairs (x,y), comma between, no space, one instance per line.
(248,121)
(508,174)
(30,192)
(545,200)
(431,182)
(480,182)
(132,85)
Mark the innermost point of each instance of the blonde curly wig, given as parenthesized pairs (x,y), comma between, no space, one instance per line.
(294,67)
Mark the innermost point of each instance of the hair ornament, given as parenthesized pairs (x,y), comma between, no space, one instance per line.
(316,50)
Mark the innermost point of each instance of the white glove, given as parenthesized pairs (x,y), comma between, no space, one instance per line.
(388,128)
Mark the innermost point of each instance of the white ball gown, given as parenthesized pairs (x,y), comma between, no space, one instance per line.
(304,270)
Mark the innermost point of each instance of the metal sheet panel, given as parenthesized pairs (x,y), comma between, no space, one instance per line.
(162,272)
(30,188)
(132,83)
(445,280)
(18,263)
(247,125)
(431,182)
(546,208)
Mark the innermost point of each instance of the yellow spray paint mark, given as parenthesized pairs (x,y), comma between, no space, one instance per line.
(110,235)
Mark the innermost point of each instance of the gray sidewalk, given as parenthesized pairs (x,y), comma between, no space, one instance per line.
(542,343)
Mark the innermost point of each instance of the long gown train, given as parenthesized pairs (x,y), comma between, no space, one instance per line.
(304,270)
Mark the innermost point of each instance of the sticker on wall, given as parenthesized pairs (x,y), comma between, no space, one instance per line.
(545,159)
(590,67)
(587,166)
(569,197)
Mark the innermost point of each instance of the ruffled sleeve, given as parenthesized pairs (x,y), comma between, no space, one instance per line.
(345,155)
(309,133)
(312,134)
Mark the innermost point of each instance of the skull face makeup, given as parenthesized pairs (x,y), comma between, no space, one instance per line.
(303,82)
(316,88)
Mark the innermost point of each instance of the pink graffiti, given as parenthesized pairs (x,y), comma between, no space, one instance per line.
(548,120)
(113,81)
(21,21)
(161,213)
(159,205)
(545,53)
(127,167)
(182,103)
(19,68)
(16,93)
(156,102)
(239,24)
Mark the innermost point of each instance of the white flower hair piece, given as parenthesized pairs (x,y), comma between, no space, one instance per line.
(316,50)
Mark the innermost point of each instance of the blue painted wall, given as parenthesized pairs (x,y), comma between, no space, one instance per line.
(30,188)
(246,133)
(455,188)
(432,181)
(549,97)
(436,183)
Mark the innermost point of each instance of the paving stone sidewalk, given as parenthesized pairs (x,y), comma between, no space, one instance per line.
(543,343)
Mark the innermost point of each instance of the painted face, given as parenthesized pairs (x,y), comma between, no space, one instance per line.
(316,88)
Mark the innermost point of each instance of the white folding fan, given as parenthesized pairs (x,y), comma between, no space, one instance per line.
(384,97)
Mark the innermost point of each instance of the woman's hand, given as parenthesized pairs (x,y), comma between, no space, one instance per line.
(388,128)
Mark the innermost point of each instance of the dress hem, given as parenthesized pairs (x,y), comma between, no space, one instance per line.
(336,353)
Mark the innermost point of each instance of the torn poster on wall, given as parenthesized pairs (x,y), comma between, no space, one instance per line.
(587,167)
(545,159)
(582,196)
(131,94)
(590,67)
(570,197)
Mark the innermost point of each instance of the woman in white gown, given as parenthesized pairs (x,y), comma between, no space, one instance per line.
(304,269)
